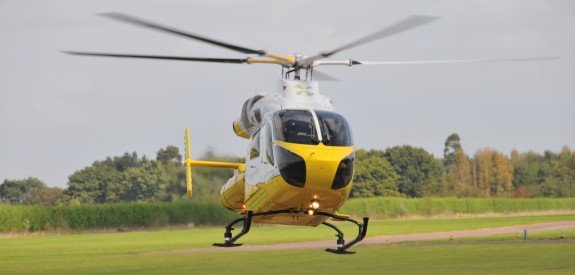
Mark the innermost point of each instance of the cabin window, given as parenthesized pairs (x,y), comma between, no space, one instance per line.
(269,144)
(255,146)
(335,130)
(295,126)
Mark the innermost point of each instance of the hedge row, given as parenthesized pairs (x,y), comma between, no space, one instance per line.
(397,207)
(18,218)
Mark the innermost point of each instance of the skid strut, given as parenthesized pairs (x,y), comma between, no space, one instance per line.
(342,246)
(228,239)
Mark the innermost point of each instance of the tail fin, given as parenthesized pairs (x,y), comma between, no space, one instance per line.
(188,163)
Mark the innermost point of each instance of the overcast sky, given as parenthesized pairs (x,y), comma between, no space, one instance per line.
(59,113)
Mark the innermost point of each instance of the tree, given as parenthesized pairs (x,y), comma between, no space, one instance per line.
(557,174)
(526,173)
(457,166)
(548,175)
(104,181)
(452,145)
(169,155)
(419,172)
(145,183)
(20,191)
(46,196)
(95,184)
(503,175)
(493,173)
(460,175)
(148,181)
(129,178)
(373,176)
(122,163)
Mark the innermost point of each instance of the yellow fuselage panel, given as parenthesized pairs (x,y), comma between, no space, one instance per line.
(233,196)
(276,194)
(321,161)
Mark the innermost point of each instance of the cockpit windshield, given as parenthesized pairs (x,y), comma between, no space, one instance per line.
(295,126)
(335,130)
(298,126)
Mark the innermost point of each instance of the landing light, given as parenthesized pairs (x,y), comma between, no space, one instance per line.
(315,204)
(310,212)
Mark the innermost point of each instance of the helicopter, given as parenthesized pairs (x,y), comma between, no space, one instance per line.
(300,159)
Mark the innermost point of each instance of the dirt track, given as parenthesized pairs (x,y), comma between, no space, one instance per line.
(385,239)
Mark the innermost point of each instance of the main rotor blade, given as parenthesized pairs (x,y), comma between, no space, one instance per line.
(155,26)
(408,23)
(163,57)
(418,62)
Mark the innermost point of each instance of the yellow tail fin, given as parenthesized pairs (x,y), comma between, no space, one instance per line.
(188,163)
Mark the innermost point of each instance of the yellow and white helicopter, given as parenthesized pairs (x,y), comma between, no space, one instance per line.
(300,160)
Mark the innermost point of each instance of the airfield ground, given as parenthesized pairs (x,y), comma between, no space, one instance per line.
(172,251)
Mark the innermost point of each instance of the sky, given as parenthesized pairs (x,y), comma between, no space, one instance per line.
(60,113)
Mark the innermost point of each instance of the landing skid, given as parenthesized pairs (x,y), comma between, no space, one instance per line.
(338,251)
(342,246)
(227,244)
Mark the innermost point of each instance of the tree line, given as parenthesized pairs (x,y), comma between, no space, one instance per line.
(125,178)
(402,171)
(413,172)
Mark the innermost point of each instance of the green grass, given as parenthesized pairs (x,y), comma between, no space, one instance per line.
(121,252)
(281,234)
(404,258)
(555,235)
(382,207)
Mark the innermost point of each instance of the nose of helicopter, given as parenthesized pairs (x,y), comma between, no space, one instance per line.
(321,163)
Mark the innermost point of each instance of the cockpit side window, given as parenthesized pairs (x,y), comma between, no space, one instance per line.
(255,146)
(295,126)
(269,144)
(335,130)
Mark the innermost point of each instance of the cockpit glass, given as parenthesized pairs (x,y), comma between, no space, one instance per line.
(335,130)
(295,126)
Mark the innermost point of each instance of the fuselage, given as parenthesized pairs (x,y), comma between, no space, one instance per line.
(300,156)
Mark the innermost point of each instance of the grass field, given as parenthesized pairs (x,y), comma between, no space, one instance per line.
(441,258)
(554,235)
(127,252)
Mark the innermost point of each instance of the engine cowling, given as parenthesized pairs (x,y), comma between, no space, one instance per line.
(249,118)
(240,130)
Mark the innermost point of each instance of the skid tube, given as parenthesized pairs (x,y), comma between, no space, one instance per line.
(229,239)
